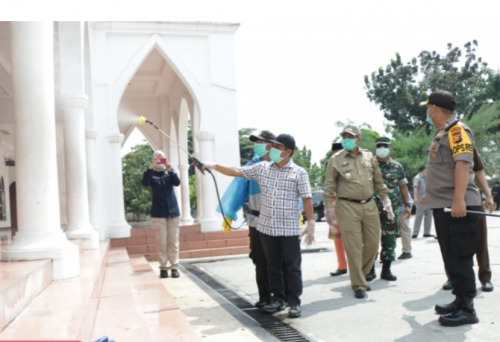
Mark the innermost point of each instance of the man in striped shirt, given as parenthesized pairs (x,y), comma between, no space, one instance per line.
(282,183)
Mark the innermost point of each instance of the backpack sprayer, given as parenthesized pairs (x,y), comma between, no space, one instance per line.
(196,163)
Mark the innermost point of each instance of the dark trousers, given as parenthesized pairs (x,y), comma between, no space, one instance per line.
(259,260)
(283,252)
(457,238)
(482,255)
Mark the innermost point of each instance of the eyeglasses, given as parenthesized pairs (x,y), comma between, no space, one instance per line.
(382,145)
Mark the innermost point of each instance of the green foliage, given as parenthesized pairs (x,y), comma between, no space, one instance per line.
(302,157)
(484,123)
(137,197)
(399,88)
(192,192)
(246,146)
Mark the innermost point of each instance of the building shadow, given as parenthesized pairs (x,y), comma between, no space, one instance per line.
(440,297)
(433,331)
(347,299)
(326,280)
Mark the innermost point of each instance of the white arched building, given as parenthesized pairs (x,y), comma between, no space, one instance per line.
(71,94)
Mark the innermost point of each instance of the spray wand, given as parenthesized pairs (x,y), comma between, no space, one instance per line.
(196,163)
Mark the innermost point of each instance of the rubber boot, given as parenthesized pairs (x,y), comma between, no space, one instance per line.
(372,275)
(386,271)
(444,309)
(465,314)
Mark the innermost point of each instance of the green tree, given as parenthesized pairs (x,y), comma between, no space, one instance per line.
(399,88)
(302,157)
(246,146)
(136,196)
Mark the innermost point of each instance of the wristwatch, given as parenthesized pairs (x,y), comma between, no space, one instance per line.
(407,205)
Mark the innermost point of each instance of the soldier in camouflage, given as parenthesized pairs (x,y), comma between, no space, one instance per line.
(395,180)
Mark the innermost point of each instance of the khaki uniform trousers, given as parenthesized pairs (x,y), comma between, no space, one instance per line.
(360,229)
(167,241)
(405,232)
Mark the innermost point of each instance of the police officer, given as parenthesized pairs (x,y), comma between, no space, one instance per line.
(450,183)
(395,180)
(353,175)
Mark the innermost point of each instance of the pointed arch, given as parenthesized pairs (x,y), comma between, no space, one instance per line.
(169,54)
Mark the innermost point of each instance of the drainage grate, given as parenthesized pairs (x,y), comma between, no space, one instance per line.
(272,324)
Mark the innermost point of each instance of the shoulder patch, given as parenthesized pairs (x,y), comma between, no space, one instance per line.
(459,141)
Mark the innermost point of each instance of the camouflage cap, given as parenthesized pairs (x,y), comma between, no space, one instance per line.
(384,140)
(351,129)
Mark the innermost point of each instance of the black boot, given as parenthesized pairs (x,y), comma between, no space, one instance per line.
(386,271)
(372,275)
(444,309)
(465,314)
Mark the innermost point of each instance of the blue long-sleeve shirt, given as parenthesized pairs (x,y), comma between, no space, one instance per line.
(162,185)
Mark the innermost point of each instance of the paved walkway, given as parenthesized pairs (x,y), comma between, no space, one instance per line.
(393,311)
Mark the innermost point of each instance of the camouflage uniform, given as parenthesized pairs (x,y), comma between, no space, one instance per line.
(393,176)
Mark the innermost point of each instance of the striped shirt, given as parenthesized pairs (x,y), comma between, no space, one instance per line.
(280,193)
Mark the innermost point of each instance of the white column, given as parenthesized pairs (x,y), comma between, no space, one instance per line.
(209,222)
(186,217)
(73,111)
(39,233)
(119,228)
(90,138)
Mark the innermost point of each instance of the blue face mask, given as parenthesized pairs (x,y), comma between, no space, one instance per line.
(260,149)
(349,144)
(160,166)
(382,152)
(275,155)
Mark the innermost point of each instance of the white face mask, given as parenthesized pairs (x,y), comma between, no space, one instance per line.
(382,152)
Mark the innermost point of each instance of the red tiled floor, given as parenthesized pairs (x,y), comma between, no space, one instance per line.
(137,249)
(215,236)
(150,240)
(137,232)
(220,251)
(136,241)
(240,250)
(118,242)
(200,253)
(185,255)
(195,237)
(196,245)
(216,243)
(238,242)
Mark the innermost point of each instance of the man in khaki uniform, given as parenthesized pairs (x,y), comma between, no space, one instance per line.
(353,175)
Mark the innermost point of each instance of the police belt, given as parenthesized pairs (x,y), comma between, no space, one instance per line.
(253,212)
(357,201)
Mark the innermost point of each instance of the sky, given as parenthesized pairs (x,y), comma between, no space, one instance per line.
(300,65)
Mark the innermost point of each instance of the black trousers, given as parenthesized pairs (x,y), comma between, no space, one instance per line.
(457,238)
(284,267)
(259,260)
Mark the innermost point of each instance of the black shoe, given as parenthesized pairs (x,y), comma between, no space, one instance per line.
(464,315)
(413,236)
(368,288)
(338,272)
(444,309)
(428,235)
(261,303)
(273,307)
(360,293)
(163,274)
(372,275)
(487,286)
(175,273)
(447,285)
(405,256)
(294,311)
(386,272)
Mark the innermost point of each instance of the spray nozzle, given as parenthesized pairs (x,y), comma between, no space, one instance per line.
(142,120)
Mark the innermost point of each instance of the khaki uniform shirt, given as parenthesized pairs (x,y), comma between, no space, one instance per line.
(353,177)
(448,147)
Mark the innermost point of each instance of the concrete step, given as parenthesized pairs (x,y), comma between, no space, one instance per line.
(202,253)
(66,309)
(20,283)
(136,306)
